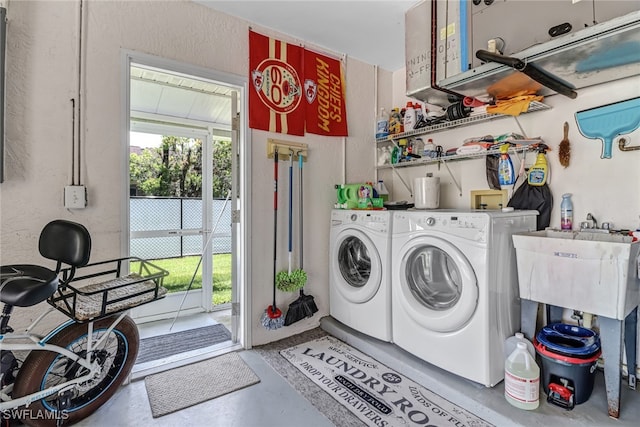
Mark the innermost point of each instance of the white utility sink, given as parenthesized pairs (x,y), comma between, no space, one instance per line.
(587,271)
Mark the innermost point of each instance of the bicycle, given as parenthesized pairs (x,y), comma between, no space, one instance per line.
(78,366)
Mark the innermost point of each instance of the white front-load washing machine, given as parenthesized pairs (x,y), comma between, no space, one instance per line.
(455,294)
(359,264)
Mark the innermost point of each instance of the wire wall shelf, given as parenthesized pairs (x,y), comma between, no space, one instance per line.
(524,146)
(478,118)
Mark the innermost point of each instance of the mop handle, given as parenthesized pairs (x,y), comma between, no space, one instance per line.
(290,207)
(300,161)
(275,223)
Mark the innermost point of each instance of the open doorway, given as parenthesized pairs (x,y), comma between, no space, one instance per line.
(185,204)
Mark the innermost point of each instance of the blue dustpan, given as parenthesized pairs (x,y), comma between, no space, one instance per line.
(608,121)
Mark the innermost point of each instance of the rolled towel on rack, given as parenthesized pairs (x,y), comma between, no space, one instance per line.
(470,149)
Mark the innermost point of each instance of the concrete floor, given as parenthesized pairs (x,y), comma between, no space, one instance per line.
(244,408)
(489,403)
(273,402)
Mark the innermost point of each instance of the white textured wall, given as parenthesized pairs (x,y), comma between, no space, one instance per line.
(608,188)
(41,79)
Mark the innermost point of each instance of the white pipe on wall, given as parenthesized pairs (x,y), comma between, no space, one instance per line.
(375,118)
(344,139)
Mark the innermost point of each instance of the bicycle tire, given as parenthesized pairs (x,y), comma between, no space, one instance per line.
(117,355)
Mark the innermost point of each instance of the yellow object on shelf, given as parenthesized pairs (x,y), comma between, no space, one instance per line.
(489,199)
(513,106)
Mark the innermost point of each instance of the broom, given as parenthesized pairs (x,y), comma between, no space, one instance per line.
(272,317)
(304,306)
(288,280)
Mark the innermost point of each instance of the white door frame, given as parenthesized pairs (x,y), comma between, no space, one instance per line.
(243,258)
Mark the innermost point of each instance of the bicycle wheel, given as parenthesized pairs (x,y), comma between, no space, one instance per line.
(43,369)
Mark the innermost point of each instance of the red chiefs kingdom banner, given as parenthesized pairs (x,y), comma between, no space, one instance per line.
(326,113)
(275,99)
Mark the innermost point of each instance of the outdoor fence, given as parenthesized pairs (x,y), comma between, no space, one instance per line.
(148,214)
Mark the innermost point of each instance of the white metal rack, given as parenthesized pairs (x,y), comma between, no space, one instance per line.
(524,145)
(473,119)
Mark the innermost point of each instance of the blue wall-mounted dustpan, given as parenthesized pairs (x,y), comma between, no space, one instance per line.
(608,121)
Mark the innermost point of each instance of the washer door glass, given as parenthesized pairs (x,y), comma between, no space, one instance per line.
(433,278)
(354,261)
(356,265)
(438,287)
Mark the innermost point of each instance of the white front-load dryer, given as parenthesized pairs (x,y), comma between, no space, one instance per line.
(455,293)
(359,288)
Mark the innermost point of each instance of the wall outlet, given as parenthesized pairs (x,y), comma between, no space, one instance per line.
(75,197)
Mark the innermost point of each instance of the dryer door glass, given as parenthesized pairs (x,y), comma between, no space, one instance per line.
(354,262)
(433,278)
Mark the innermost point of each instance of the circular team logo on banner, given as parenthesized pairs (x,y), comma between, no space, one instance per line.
(277,84)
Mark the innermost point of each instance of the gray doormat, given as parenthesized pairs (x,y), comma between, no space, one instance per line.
(337,414)
(180,388)
(373,392)
(154,348)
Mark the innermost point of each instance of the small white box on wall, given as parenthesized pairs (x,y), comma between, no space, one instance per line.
(75,197)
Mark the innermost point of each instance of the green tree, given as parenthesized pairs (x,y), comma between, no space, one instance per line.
(144,171)
(221,168)
(175,168)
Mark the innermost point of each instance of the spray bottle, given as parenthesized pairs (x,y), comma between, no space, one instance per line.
(539,173)
(566,212)
(506,174)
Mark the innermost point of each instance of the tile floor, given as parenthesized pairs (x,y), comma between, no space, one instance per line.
(273,402)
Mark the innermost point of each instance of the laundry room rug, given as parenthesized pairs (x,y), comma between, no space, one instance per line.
(161,346)
(374,393)
(180,388)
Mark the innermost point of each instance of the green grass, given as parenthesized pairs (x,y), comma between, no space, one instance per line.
(181,270)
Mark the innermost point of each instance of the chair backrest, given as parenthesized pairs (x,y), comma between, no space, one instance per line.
(65,241)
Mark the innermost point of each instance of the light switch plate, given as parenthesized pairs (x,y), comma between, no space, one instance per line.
(75,197)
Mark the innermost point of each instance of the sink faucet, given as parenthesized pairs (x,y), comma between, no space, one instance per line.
(591,225)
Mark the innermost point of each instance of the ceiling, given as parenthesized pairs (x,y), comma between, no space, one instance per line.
(370,31)
(163,96)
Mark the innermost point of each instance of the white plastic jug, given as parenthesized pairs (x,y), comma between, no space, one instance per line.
(522,379)
(511,342)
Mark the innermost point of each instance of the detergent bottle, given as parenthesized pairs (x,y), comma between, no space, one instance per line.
(382,124)
(396,122)
(506,173)
(539,172)
(419,113)
(383,193)
(409,117)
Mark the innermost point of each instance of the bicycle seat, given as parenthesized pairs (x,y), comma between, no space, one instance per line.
(24,285)
(68,243)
